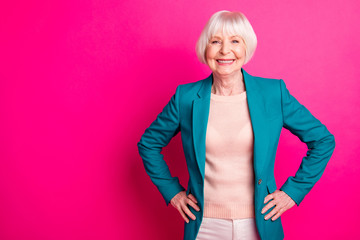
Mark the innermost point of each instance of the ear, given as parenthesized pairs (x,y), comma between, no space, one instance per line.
(205,58)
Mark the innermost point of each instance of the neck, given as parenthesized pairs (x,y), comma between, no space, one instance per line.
(228,85)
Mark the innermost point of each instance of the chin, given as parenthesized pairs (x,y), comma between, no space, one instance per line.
(228,72)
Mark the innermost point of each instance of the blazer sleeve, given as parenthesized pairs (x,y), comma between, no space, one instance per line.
(320,142)
(156,136)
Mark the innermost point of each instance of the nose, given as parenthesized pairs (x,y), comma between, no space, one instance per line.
(225,48)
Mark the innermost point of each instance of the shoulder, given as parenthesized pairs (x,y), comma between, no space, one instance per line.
(192,86)
(190,90)
(266,81)
(266,86)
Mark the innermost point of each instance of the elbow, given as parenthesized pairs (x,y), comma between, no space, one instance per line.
(138,145)
(329,141)
(326,143)
(141,146)
(332,141)
(143,150)
(331,145)
(145,146)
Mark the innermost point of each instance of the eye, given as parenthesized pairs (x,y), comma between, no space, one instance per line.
(215,42)
(235,41)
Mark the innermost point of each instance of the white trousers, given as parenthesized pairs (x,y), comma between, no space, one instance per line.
(228,229)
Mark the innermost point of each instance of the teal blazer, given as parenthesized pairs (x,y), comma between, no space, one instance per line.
(271,108)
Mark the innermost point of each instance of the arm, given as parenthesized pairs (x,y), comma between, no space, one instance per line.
(320,142)
(155,137)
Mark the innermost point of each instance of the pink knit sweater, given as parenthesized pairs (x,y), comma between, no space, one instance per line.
(229,172)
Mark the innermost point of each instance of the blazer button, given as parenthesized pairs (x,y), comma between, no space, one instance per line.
(259,182)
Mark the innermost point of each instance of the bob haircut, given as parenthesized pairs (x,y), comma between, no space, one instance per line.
(230,23)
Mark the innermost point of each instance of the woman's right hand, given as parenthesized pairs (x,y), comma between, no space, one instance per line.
(180,202)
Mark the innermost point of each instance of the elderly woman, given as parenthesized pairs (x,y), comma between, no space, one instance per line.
(230,125)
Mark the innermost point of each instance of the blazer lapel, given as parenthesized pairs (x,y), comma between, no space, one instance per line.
(200,114)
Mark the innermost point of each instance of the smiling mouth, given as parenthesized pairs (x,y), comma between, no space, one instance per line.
(225,60)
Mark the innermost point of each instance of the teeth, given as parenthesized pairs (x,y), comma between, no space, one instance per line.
(225,61)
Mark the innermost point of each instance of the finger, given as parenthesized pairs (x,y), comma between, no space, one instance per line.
(192,204)
(268,206)
(192,197)
(183,215)
(270,214)
(268,197)
(277,215)
(188,212)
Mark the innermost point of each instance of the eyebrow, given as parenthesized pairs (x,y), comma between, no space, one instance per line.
(230,36)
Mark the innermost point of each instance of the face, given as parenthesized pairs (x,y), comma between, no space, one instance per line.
(225,55)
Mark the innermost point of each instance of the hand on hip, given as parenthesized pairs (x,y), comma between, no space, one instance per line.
(180,201)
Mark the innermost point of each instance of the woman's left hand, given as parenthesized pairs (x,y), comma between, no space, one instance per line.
(281,201)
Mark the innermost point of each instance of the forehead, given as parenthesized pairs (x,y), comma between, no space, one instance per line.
(224,29)
(220,35)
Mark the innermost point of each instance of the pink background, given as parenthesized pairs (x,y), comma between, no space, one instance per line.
(81,80)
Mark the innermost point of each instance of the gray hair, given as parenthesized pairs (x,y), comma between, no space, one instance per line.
(231,23)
